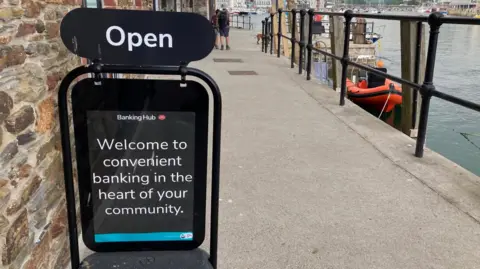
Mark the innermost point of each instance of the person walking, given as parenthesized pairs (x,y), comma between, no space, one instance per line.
(224,27)
(214,21)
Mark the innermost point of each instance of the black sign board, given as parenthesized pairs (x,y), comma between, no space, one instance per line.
(142,157)
(137,37)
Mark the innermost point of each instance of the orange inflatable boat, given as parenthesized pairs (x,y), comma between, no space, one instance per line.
(377,92)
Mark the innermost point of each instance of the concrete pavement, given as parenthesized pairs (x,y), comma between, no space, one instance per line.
(309,184)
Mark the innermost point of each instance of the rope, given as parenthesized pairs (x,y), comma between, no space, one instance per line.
(390,89)
(466,135)
(385,105)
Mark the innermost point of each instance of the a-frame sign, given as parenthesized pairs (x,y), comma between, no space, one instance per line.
(141,145)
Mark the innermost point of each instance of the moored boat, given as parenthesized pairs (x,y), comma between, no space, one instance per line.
(376,92)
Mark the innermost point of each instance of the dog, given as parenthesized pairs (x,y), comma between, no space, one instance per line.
(259,38)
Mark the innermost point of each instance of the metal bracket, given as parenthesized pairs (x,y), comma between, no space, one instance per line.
(97,69)
(183,74)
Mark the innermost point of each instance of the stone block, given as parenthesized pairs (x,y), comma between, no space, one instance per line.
(8,153)
(61,11)
(5,39)
(53,79)
(39,26)
(45,149)
(17,12)
(52,29)
(24,171)
(37,48)
(40,256)
(46,115)
(110,3)
(58,225)
(54,171)
(27,193)
(50,14)
(6,14)
(24,252)
(4,196)
(32,8)
(16,239)
(20,120)
(26,138)
(14,207)
(37,207)
(11,55)
(31,188)
(6,104)
(63,257)
(25,29)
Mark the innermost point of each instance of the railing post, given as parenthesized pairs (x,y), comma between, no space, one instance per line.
(243,22)
(434,20)
(279,34)
(271,32)
(311,12)
(302,40)
(294,41)
(267,34)
(263,34)
(346,46)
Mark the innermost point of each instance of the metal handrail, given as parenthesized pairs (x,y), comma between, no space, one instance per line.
(243,24)
(426,89)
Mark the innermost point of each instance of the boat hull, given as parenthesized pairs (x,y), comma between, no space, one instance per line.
(379,98)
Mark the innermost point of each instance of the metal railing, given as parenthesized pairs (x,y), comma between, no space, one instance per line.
(426,89)
(368,27)
(241,21)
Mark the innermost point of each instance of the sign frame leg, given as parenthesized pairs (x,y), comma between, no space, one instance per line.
(67,152)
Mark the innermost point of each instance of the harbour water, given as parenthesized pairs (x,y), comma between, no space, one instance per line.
(453,131)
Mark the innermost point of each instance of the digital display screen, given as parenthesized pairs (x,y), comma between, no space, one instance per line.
(142,166)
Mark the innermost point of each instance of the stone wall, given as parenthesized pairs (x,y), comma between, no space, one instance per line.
(33,232)
(32,205)
(197,6)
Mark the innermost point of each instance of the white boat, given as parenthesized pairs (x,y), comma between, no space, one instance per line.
(423,9)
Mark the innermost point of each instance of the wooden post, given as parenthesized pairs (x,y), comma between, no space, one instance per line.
(274,8)
(285,42)
(290,6)
(274,27)
(359,31)
(297,37)
(408,41)
(336,45)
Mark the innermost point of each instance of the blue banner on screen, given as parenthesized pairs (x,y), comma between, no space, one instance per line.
(137,237)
